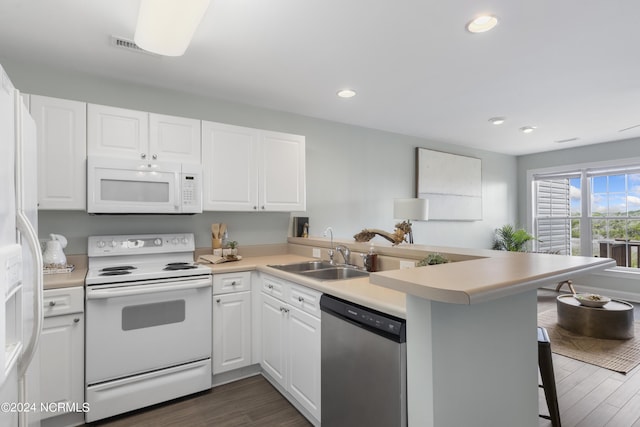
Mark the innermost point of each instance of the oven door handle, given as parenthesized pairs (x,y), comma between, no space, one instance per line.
(125,291)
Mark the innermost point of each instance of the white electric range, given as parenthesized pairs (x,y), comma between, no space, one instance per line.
(148,322)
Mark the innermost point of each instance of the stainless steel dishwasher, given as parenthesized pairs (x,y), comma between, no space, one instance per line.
(364,368)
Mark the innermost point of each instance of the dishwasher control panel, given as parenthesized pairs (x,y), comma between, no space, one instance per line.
(390,326)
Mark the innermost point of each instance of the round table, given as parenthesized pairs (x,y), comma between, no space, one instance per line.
(613,321)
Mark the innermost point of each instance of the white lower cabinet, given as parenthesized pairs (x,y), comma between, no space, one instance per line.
(62,349)
(231,321)
(291,340)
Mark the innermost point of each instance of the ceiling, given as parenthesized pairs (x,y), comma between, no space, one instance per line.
(570,68)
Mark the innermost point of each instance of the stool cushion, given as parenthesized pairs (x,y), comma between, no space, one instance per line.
(543,336)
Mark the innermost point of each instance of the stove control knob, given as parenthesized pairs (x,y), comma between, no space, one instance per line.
(185,240)
(113,244)
(174,241)
(101,244)
(157,242)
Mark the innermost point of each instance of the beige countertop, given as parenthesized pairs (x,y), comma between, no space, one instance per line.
(475,276)
(68,280)
(485,279)
(359,291)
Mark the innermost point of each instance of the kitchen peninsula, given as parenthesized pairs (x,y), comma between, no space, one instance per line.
(471,335)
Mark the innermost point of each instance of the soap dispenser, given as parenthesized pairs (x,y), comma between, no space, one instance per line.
(370,260)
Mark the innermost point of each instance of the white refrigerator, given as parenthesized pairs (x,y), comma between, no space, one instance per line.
(20,262)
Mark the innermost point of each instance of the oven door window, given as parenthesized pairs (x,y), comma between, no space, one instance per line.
(150,315)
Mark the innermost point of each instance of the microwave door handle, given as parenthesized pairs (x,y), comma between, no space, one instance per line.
(125,291)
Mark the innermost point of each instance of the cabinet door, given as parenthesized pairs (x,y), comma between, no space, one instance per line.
(231,331)
(174,139)
(303,375)
(117,132)
(62,360)
(62,152)
(229,167)
(282,169)
(274,338)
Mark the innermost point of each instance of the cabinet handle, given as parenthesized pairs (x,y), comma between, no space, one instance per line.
(76,320)
(233,283)
(300,299)
(262,207)
(143,155)
(155,156)
(218,300)
(270,286)
(284,310)
(255,208)
(52,303)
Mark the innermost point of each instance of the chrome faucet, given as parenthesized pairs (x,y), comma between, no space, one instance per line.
(346,253)
(330,251)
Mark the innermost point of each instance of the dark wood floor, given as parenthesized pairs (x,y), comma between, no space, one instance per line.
(250,402)
(588,397)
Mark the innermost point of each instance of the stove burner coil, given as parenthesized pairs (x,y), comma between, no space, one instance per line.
(114,272)
(119,268)
(179,266)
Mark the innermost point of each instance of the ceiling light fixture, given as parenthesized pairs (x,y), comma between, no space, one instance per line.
(482,24)
(527,129)
(166,27)
(497,120)
(562,141)
(346,93)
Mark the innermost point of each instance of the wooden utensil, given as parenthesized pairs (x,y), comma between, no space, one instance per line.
(215,231)
(223,228)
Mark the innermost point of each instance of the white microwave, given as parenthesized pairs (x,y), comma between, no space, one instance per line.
(124,186)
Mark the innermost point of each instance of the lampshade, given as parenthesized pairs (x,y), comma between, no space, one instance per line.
(166,27)
(411,209)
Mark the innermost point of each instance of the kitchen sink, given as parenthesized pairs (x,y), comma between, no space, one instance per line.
(335,273)
(303,266)
(322,270)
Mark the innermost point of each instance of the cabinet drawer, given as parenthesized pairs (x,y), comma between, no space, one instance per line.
(306,299)
(56,302)
(231,282)
(274,287)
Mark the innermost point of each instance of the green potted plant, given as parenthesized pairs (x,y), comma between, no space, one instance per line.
(508,238)
(433,259)
(233,248)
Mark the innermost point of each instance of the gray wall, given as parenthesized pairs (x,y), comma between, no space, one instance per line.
(353,173)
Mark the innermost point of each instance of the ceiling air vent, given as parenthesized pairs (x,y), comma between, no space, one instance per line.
(129,45)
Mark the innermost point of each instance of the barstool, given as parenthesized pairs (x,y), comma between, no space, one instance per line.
(545,363)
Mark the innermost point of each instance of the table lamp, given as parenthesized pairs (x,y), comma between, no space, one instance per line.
(411,209)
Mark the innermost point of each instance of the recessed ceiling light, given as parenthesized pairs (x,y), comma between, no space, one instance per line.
(482,23)
(527,129)
(497,120)
(562,141)
(346,93)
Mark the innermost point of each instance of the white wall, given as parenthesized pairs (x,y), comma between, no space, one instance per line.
(353,173)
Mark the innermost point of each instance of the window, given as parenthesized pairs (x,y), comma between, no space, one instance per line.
(589,211)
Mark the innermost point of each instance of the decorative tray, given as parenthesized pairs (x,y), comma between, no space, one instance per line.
(54,270)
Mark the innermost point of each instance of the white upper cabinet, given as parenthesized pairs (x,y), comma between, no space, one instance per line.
(175,139)
(282,168)
(229,167)
(62,152)
(119,132)
(248,169)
